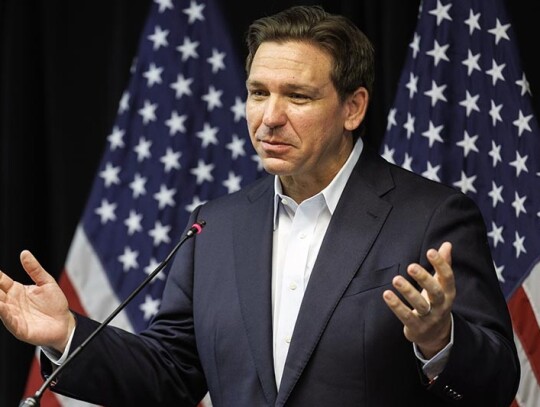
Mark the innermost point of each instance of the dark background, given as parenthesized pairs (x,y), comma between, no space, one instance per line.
(63,67)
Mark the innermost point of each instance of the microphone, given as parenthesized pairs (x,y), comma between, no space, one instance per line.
(34,400)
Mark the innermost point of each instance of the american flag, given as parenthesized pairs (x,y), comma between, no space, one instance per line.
(463,116)
(179,139)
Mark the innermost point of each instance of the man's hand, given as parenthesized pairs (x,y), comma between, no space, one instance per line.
(428,323)
(37,314)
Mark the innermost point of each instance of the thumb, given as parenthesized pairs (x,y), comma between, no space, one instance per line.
(34,269)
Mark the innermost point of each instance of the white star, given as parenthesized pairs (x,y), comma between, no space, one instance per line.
(499,271)
(110,175)
(208,135)
(237,147)
(194,12)
(133,222)
(152,266)
(160,233)
(388,154)
(232,183)
(194,204)
(171,160)
(188,49)
(148,112)
(415,45)
(468,143)
(438,52)
(182,86)
(496,72)
(203,172)
(522,122)
(436,93)
(470,103)
(239,109)
(412,85)
(124,102)
(138,185)
(519,163)
(159,38)
(257,159)
(518,245)
(407,162)
(496,194)
(471,62)
(153,75)
(466,184)
(495,113)
(441,12)
(176,123)
(495,153)
(164,5)
(391,119)
(496,234)
(519,204)
(524,84)
(116,138)
(143,149)
(149,307)
(472,22)
(409,125)
(128,259)
(431,172)
(213,98)
(500,31)
(433,133)
(217,60)
(165,197)
(106,211)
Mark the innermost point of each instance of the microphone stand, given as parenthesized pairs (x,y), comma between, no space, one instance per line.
(34,401)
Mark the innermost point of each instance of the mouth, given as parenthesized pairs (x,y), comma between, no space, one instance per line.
(274,147)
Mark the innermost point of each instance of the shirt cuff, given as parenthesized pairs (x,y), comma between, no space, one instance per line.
(56,357)
(434,366)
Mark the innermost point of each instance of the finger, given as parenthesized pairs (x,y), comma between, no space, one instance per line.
(420,303)
(402,311)
(443,269)
(433,292)
(5,282)
(34,269)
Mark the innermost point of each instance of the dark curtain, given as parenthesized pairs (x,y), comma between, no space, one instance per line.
(63,67)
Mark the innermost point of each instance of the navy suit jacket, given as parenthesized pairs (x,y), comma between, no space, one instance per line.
(214,328)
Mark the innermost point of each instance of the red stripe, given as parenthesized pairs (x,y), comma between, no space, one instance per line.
(514,404)
(526,328)
(71,294)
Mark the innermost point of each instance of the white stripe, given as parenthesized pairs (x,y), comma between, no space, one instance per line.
(528,392)
(90,282)
(531,286)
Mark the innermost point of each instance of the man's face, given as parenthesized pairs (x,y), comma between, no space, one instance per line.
(295,119)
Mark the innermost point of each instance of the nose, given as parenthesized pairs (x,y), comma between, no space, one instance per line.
(274,112)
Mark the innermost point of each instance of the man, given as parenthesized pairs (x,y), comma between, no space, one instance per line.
(341,280)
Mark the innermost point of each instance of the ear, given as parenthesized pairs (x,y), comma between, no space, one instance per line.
(355,108)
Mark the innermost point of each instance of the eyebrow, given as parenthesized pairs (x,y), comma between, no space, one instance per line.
(290,87)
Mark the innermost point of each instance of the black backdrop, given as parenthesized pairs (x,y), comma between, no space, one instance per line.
(63,67)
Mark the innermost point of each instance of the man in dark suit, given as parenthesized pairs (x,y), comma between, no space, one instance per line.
(341,280)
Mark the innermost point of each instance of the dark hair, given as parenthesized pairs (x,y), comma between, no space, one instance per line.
(351,51)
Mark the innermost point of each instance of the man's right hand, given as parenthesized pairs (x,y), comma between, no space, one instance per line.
(39,313)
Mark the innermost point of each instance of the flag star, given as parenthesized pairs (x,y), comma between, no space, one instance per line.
(124,102)
(171,160)
(194,204)
(436,93)
(499,31)
(438,52)
(194,12)
(519,163)
(519,204)
(239,109)
(391,119)
(522,122)
(116,138)
(232,183)
(466,184)
(164,5)
(106,211)
(143,149)
(495,153)
(176,123)
(208,135)
(236,146)
(496,234)
(496,194)
(496,72)
(110,175)
(468,143)
(148,112)
(441,12)
(495,113)
(138,185)
(499,271)
(149,307)
(203,172)
(472,22)
(188,49)
(471,62)
(412,85)
(128,259)
(433,133)
(409,125)
(431,172)
(257,159)
(407,162)
(415,45)
(388,154)
(159,38)
(212,98)
(470,103)
(524,84)
(160,233)
(165,197)
(133,222)
(518,245)
(182,86)
(153,75)
(217,60)
(152,266)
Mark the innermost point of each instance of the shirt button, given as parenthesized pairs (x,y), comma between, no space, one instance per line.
(284,202)
(302,235)
(293,286)
(288,339)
